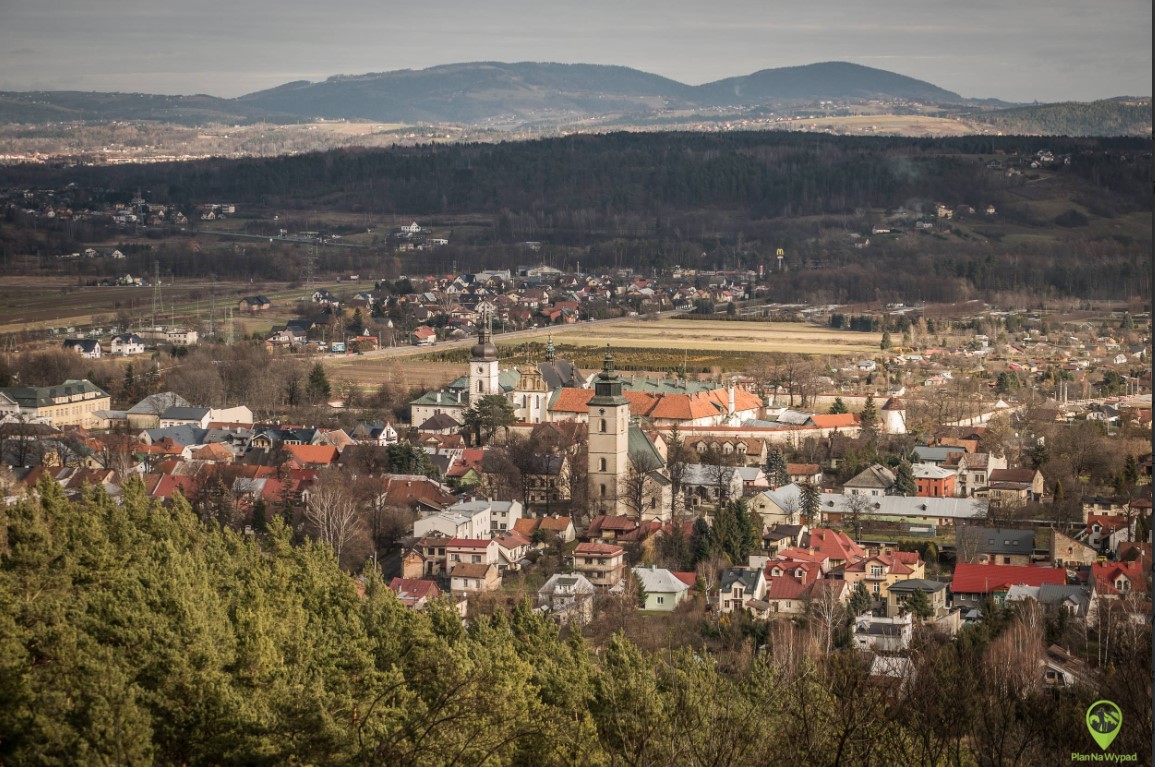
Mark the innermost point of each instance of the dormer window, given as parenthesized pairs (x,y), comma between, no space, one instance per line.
(1122,585)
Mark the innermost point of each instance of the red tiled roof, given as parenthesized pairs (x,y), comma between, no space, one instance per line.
(318,455)
(1107,573)
(413,590)
(985,579)
(555,524)
(598,549)
(802,469)
(469,570)
(690,579)
(527,526)
(468,543)
(834,420)
(835,544)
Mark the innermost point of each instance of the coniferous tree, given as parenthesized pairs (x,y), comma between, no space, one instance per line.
(839,407)
(904,482)
(809,503)
(868,419)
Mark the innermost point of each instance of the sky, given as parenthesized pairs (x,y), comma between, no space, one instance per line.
(1015,50)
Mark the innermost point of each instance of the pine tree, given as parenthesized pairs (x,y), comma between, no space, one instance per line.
(839,407)
(904,483)
(919,605)
(776,472)
(860,600)
(810,503)
(868,419)
(317,389)
(886,343)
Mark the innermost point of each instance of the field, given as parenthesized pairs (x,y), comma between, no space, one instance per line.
(43,303)
(677,334)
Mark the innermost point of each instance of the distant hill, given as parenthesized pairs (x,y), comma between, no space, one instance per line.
(64,106)
(1109,117)
(480,92)
(546,96)
(828,80)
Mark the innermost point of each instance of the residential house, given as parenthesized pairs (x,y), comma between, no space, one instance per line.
(1070,552)
(602,563)
(424,557)
(1106,533)
(88,348)
(1077,600)
(933,481)
(413,593)
(567,598)
(805,473)
(254,304)
(124,344)
(455,523)
(1061,669)
(185,416)
(973,584)
(471,551)
(739,586)
(1119,580)
(878,572)
(465,579)
(883,635)
(664,591)
(705,484)
(973,471)
(899,592)
(423,335)
(512,548)
(994,545)
(1011,488)
(875,480)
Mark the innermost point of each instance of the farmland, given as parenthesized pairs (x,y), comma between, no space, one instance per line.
(678,334)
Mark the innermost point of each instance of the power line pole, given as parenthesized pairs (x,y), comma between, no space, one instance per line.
(155,291)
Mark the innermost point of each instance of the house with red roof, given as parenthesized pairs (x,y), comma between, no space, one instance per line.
(472,551)
(1119,580)
(602,563)
(415,593)
(973,584)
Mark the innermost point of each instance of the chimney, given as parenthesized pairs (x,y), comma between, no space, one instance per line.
(439,398)
(731,398)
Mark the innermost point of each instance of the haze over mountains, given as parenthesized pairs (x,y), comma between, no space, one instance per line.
(529,94)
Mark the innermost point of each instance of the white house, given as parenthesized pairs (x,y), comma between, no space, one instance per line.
(883,634)
(664,590)
(127,343)
(455,522)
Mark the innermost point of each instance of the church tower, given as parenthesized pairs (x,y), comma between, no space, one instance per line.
(483,370)
(608,440)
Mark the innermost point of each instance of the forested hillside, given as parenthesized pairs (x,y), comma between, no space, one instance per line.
(136,634)
(1078,227)
(1109,117)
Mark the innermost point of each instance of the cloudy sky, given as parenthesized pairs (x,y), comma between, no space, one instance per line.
(1018,50)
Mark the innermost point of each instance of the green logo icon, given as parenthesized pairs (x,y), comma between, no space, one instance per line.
(1104,720)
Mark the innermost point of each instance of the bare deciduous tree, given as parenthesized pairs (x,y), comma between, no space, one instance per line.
(332,513)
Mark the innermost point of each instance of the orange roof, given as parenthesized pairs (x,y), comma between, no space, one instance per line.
(573,400)
(834,421)
(835,544)
(556,524)
(527,526)
(805,469)
(313,454)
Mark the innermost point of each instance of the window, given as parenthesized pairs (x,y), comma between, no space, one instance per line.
(1006,560)
(476,559)
(603,491)
(601,464)
(661,600)
(876,571)
(602,426)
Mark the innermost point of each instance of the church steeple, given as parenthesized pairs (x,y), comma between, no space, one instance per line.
(549,352)
(608,385)
(483,367)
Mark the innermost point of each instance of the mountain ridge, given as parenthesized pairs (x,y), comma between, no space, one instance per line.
(517,95)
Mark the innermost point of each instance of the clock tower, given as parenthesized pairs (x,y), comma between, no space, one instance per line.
(609,438)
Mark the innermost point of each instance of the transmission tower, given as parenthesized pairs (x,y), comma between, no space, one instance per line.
(310,265)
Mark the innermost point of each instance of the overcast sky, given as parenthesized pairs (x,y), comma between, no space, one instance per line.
(1017,50)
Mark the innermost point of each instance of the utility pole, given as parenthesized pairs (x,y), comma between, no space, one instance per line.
(155,291)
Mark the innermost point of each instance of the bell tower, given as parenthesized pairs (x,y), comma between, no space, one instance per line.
(608,439)
(483,370)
